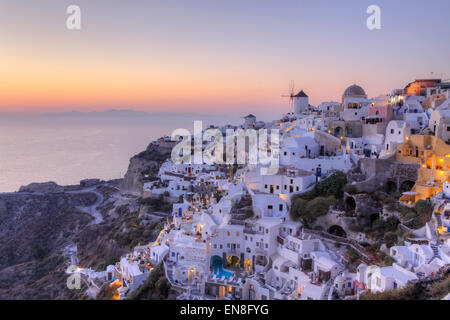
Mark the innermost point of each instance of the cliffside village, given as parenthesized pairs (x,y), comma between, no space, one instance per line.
(230,234)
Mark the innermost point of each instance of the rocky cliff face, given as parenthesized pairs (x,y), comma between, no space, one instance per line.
(34,229)
(41,221)
(145,165)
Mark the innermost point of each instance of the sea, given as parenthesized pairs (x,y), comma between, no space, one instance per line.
(68,147)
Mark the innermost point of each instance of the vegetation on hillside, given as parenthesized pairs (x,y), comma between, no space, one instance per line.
(106,243)
(156,204)
(309,206)
(331,186)
(436,290)
(308,211)
(156,287)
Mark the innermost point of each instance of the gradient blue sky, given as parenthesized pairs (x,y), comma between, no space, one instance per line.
(196,55)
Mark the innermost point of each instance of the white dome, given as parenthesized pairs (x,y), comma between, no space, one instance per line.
(354,91)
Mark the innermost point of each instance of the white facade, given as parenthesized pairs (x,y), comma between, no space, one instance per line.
(297,147)
(397,132)
(301,103)
(379,279)
(355,109)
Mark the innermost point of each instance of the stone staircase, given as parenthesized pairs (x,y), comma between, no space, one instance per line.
(436,254)
(326,293)
(438,220)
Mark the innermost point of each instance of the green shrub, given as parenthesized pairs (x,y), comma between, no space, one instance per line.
(156,287)
(318,207)
(355,227)
(380,227)
(440,289)
(388,260)
(331,186)
(350,189)
(390,238)
(423,207)
(353,256)
(297,208)
(410,292)
(309,211)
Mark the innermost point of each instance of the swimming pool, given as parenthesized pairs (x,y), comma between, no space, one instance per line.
(219,271)
(187,227)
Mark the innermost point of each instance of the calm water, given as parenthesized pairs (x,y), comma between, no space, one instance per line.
(66,149)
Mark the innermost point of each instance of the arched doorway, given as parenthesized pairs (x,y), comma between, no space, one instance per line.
(337,231)
(233,261)
(374,217)
(350,204)
(391,187)
(338,132)
(261,260)
(191,274)
(407,186)
(247,264)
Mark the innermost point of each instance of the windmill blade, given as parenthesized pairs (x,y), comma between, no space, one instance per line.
(291,94)
(292,88)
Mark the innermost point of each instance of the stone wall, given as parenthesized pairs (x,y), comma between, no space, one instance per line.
(379,172)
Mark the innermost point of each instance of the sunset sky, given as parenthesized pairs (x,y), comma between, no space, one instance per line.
(212,56)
